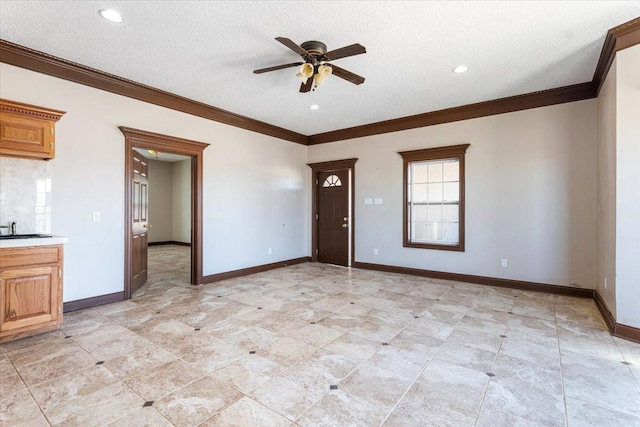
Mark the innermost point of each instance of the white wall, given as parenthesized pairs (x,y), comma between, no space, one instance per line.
(160,201)
(628,186)
(254,185)
(530,194)
(530,188)
(606,263)
(170,201)
(181,208)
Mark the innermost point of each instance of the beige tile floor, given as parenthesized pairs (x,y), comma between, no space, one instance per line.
(317,345)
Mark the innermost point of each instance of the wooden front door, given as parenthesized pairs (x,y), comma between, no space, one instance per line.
(139,225)
(333,217)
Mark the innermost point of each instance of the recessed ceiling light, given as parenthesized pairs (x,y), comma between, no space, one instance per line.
(314,107)
(460,69)
(110,15)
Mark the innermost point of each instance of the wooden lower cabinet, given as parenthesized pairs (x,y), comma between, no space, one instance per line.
(31,290)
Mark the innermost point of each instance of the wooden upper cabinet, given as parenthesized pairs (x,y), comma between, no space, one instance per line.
(27,131)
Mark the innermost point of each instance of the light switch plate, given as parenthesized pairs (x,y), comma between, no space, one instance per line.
(368,201)
(377,201)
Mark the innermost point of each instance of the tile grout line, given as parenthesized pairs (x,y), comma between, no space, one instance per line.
(26,386)
(495,361)
(636,378)
(329,294)
(564,395)
(121,380)
(49,380)
(326,392)
(428,363)
(360,364)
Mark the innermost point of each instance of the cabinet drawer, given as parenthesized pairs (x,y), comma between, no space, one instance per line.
(32,255)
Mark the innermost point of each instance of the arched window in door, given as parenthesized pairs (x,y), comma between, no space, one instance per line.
(332,181)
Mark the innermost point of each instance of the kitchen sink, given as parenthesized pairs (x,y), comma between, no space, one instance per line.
(25,236)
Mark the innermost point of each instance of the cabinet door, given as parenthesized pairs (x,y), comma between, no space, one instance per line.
(26,137)
(29,297)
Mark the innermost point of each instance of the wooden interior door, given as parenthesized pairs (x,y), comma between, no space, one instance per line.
(333,217)
(139,226)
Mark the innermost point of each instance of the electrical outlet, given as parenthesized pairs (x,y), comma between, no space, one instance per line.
(96,216)
(605,283)
(375,251)
(504,263)
(269,251)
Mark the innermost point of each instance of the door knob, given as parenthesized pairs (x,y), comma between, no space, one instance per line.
(344,225)
(345,219)
(147,226)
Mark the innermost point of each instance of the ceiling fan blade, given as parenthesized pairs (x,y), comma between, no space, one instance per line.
(343,52)
(277,67)
(291,45)
(347,75)
(306,87)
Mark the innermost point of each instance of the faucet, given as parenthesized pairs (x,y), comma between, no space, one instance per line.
(13,228)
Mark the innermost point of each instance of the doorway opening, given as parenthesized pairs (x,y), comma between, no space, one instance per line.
(136,202)
(333,212)
(168,216)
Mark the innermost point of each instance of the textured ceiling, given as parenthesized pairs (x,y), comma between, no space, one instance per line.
(207,51)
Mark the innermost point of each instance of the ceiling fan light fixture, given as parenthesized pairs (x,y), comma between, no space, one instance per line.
(111,15)
(324,71)
(460,69)
(314,107)
(306,71)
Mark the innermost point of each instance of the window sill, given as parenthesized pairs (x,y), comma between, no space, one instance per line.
(456,248)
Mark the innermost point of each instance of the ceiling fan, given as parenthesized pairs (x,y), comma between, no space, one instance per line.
(316,67)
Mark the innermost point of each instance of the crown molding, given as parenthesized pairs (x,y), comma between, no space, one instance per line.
(541,98)
(30,110)
(618,38)
(627,34)
(40,62)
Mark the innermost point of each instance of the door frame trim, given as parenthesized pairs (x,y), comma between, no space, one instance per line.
(330,166)
(135,138)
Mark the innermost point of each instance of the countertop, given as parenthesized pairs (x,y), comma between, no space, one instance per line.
(19,243)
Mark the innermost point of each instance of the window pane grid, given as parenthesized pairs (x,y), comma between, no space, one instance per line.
(434,198)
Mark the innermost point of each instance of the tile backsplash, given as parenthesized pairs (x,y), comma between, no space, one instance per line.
(25,195)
